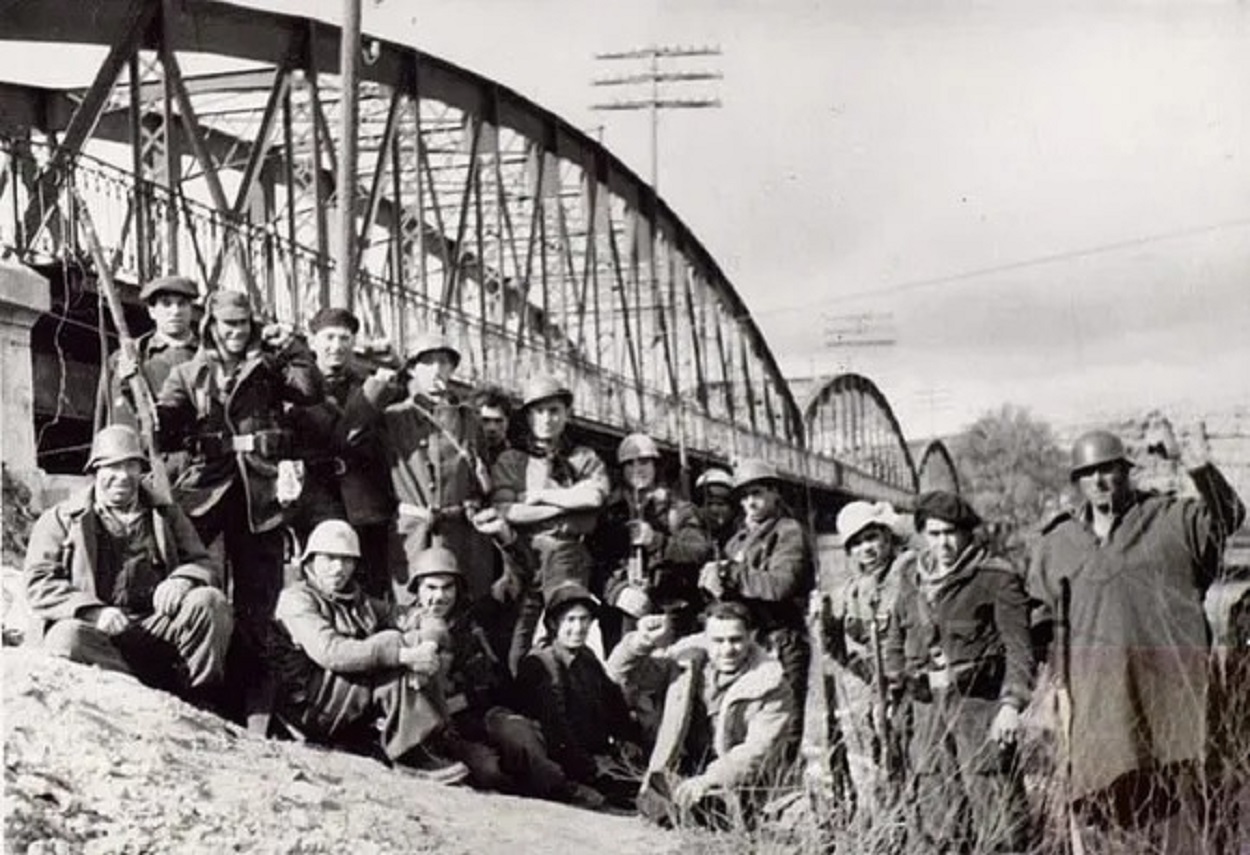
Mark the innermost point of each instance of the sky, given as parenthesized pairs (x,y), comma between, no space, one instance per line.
(1045,204)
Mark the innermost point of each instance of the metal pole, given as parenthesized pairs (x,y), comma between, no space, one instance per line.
(342,290)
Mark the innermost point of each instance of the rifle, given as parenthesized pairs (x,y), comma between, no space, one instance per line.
(145,403)
(634,599)
(891,755)
(1063,705)
(815,745)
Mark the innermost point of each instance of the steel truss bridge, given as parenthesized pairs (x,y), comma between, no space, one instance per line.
(205,144)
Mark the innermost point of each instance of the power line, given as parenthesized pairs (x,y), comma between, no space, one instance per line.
(653,77)
(1037,261)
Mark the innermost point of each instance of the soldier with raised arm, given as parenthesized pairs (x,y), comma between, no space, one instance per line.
(1137,565)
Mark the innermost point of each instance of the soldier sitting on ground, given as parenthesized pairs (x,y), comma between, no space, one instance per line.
(728,716)
(584,717)
(121,581)
(503,749)
(346,672)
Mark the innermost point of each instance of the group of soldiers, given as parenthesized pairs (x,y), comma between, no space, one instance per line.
(356,554)
(937,641)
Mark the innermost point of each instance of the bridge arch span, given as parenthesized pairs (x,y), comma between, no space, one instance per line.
(849,419)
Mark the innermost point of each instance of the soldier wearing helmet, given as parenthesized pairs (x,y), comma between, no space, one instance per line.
(344,666)
(226,407)
(714,491)
(343,481)
(1125,573)
(551,491)
(119,580)
(429,439)
(645,523)
(502,749)
(768,565)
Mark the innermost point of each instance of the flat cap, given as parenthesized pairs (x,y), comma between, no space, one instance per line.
(170,285)
(327,316)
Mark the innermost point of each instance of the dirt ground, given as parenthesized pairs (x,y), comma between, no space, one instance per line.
(96,763)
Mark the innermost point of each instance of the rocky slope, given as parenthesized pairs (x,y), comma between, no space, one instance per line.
(96,763)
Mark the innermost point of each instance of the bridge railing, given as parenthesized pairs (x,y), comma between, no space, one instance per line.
(285,280)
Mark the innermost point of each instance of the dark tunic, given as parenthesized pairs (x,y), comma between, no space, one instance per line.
(582,712)
(1138,634)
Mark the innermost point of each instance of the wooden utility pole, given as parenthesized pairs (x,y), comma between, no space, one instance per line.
(654,77)
(342,290)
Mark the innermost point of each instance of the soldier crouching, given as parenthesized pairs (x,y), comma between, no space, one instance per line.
(503,750)
(345,671)
(124,582)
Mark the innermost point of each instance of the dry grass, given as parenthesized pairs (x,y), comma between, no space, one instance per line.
(1221,826)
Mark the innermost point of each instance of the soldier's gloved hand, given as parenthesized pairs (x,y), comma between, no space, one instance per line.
(111,621)
(127,363)
(169,594)
(421,659)
(1006,725)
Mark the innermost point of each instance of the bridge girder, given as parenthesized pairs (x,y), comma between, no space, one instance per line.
(849,419)
(481,213)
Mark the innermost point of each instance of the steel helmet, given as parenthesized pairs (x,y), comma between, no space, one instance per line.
(857,516)
(1096,448)
(637,446)
(433,342)
(714,477)
(541,387)
(434,560)
(114,444)
(562,597)
(332,537)
(752,470)
(169,285)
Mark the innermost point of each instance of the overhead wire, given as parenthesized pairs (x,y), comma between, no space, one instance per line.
(1007,267)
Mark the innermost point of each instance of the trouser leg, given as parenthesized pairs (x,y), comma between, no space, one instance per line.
(483,762)
(938,804)
(375,570)
(256,577)
(794,654)
(79,641)
(523,754)
(200,631)
(410,713)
